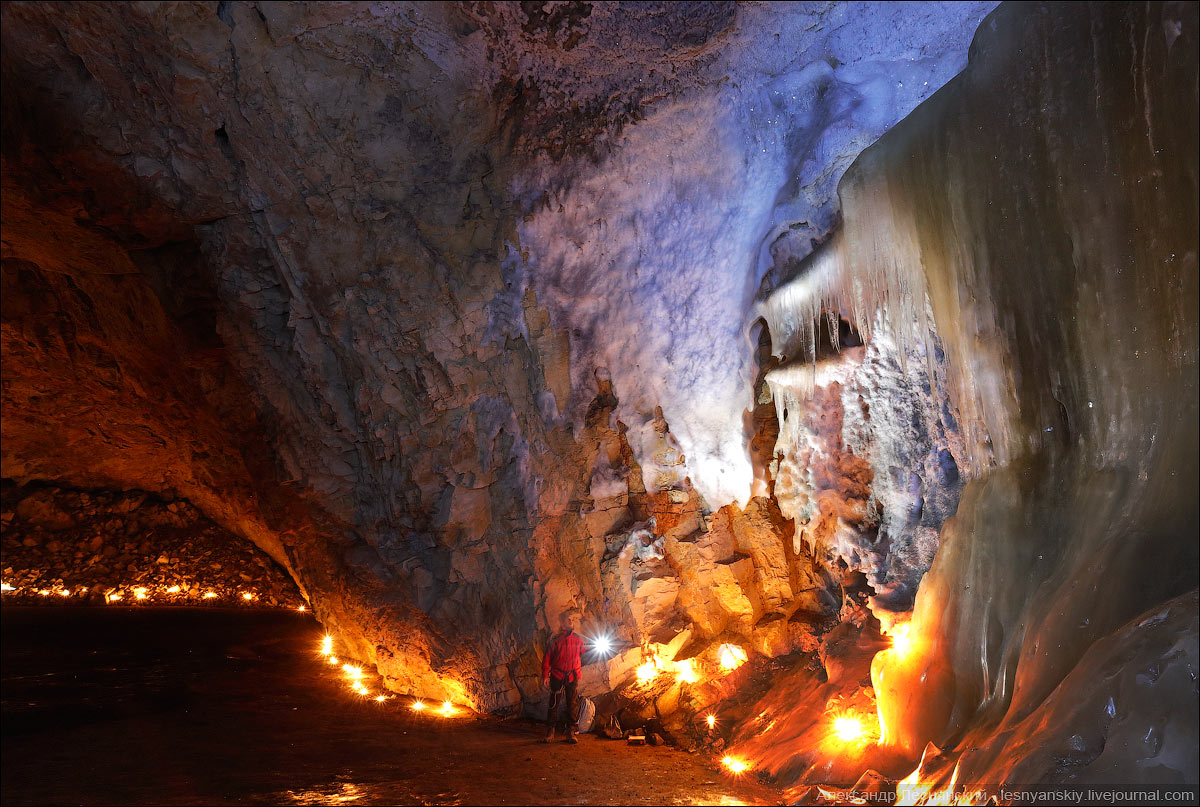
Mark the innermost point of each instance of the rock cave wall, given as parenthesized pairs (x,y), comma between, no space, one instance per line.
(440,304)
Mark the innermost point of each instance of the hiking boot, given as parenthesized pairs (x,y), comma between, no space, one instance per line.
(571,737)
(549,738)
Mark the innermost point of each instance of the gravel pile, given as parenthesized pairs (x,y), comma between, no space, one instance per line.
(64,546)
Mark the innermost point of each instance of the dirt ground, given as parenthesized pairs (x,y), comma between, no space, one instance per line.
(191,706)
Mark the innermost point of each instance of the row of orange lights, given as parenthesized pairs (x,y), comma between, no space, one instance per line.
(354,676)
(729,656)
(140,593)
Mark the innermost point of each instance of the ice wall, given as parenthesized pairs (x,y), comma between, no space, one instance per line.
(648,253)
(1046,201)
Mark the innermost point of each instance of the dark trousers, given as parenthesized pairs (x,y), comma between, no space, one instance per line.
(561,690)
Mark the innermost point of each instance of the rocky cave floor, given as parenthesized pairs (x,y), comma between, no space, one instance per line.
(66,546)
(218,706)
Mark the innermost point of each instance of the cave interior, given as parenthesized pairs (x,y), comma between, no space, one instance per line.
(833,364)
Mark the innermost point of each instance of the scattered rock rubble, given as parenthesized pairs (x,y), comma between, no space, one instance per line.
(69,546)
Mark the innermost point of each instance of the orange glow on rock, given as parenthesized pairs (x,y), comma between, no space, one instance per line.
(848,729)
(647,671)
(731,656)
(685,672)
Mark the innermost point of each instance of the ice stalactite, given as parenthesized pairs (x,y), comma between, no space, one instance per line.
(1044,203)
(1024,248)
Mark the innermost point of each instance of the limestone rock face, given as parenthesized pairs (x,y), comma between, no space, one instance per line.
(388,290)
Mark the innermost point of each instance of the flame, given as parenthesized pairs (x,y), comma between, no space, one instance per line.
(447,709)
(731,656)
(113,597)
(711,720)
(417,706)
(208,595)
(380,698)
(140,593)
(64,593)
(173,590)
(301,609)
(6,587)
(246,595)
(45,592)
(327,645)
(352,672)
(735,765)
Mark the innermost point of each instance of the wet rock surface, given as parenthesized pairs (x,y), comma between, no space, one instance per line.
(70,546)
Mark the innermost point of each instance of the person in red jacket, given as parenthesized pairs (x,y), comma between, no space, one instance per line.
(561,669)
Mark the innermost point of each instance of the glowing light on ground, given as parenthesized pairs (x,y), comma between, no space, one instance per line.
(45,592)
(648,671)
(352,676)
(140,593)
(735,765)
(113,598)
(848,729)
(711,720)
(174,590)
(210,595)
(731,656)
(64,593)
(246,595)
(6,587)
(301,609)
(685,672)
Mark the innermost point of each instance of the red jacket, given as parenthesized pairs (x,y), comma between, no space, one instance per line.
(563,657)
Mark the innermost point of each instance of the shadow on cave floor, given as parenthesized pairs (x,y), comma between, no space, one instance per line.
(181,706)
